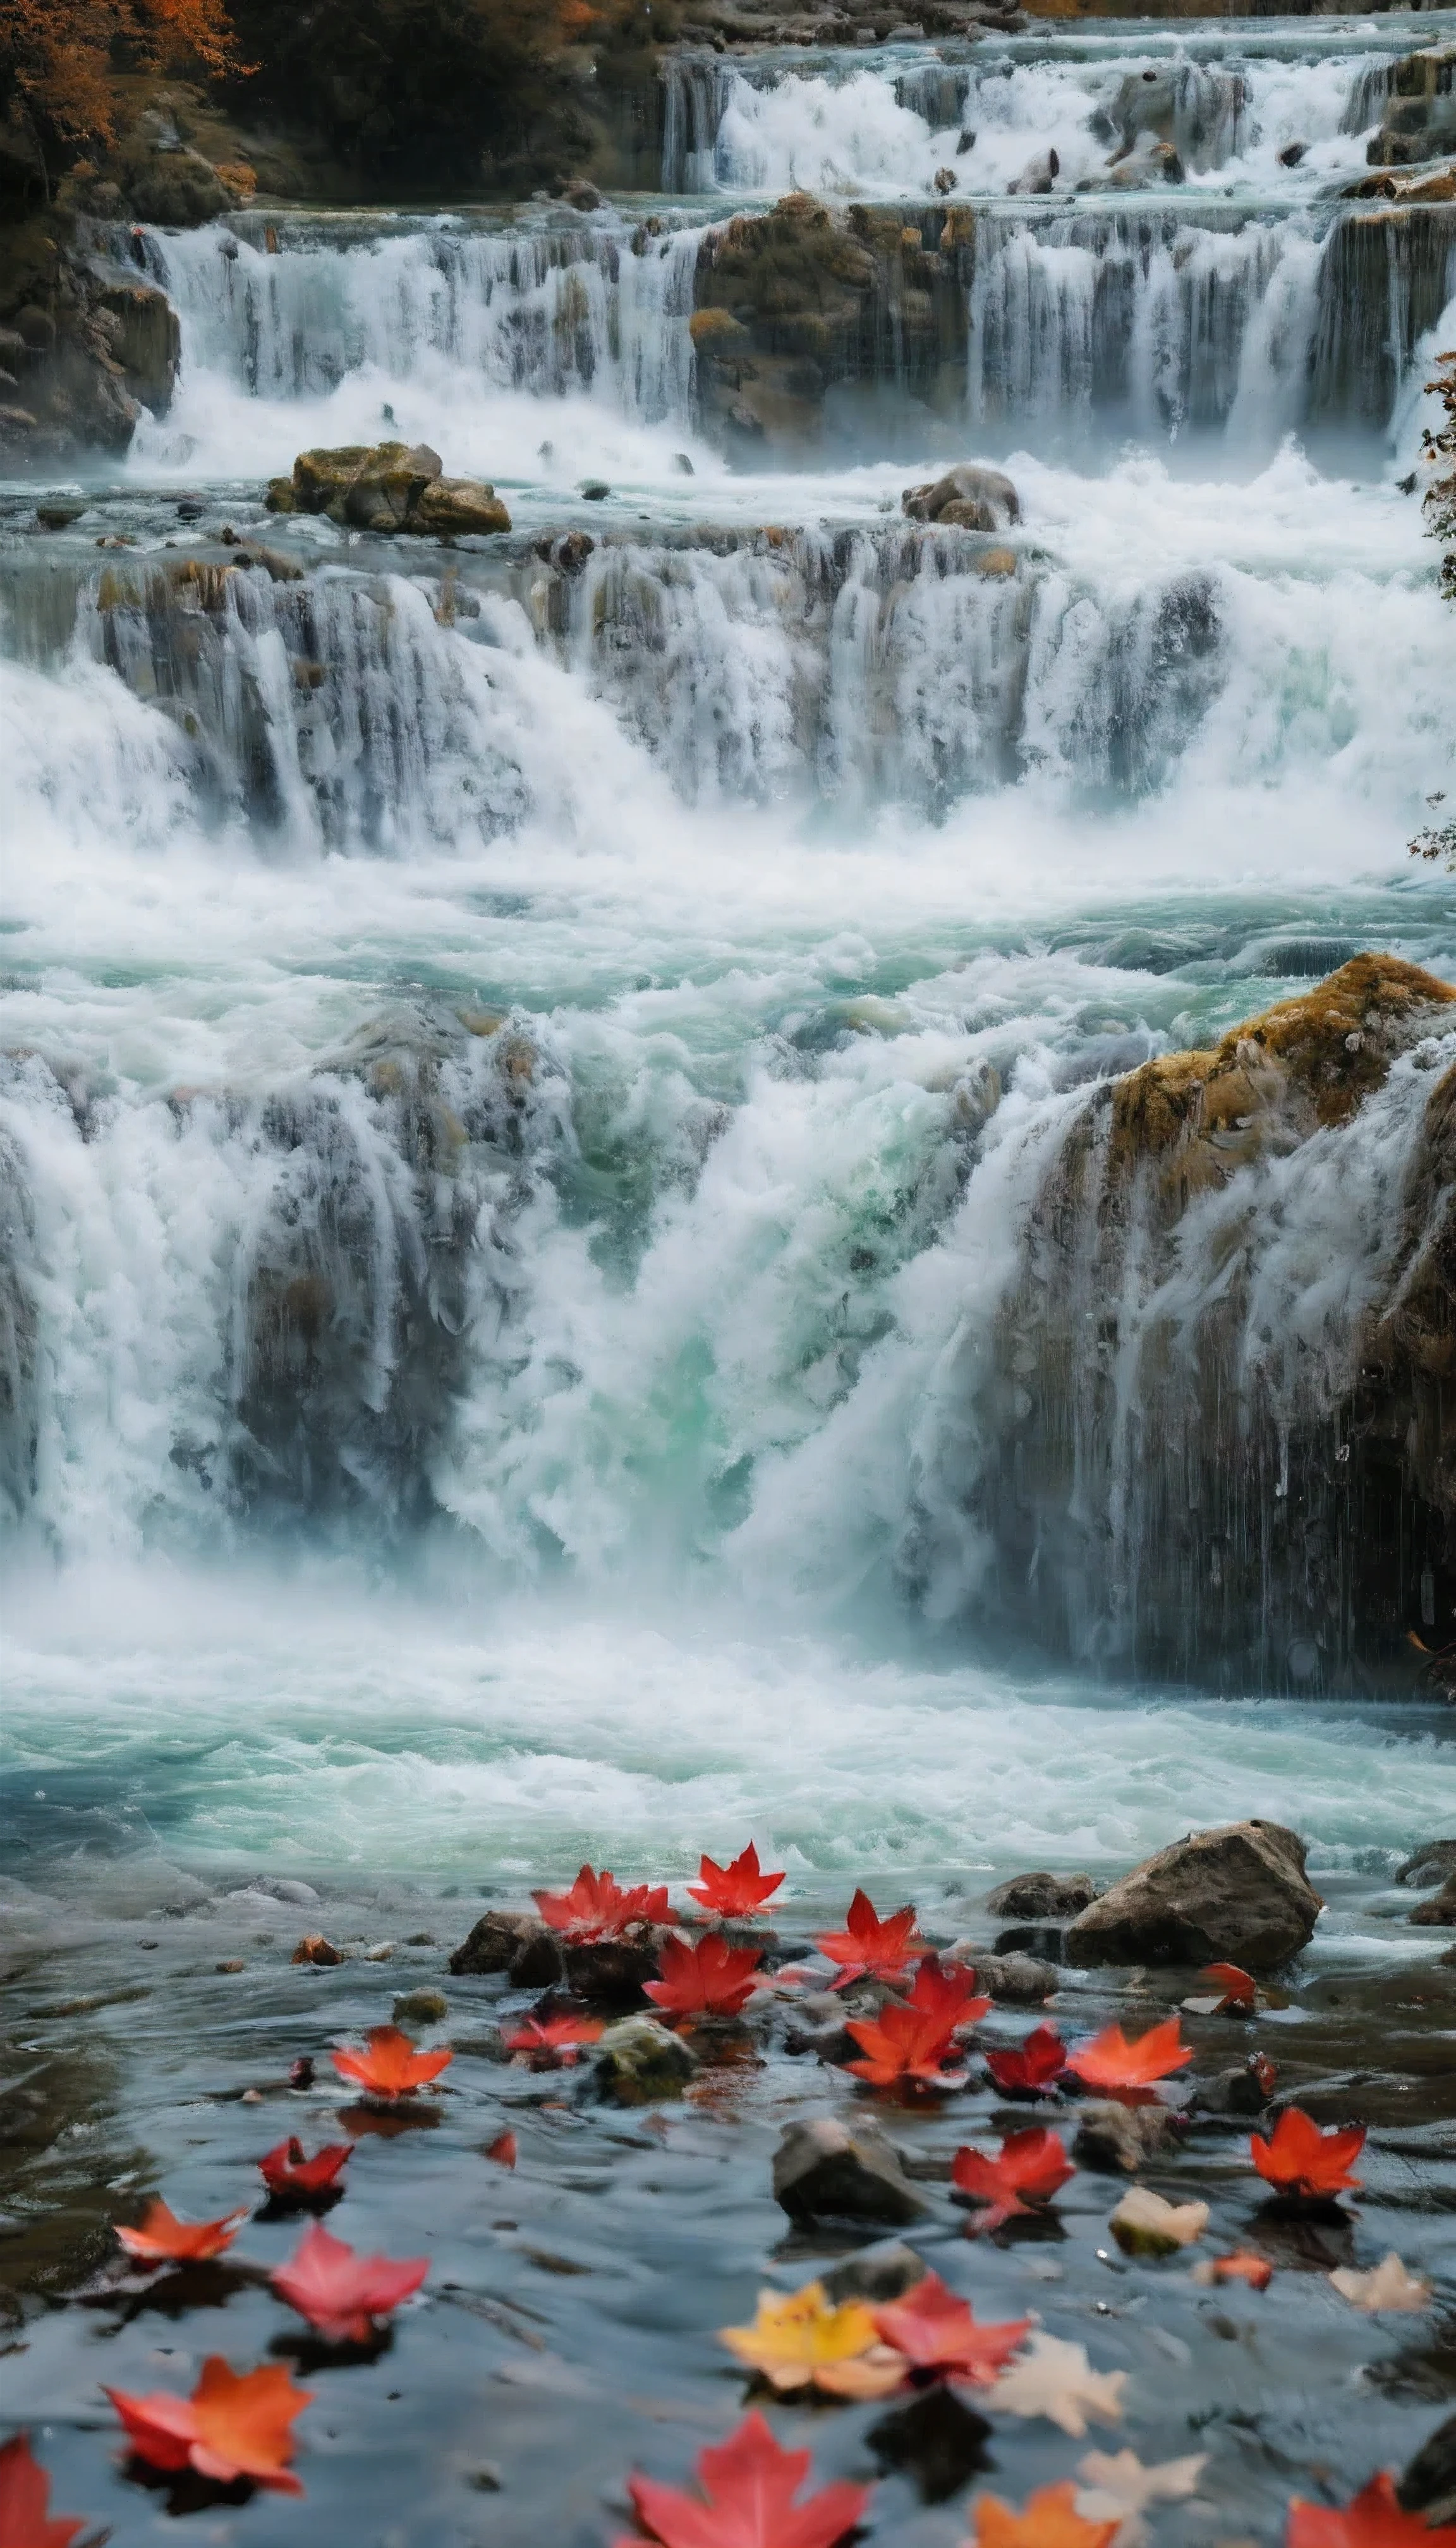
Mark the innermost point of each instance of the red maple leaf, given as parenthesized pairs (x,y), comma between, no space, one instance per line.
(1299,2158)
(161,2238)
(1110,2061)
(882,1948)
(552,2042)
(1034,2068)
(737,1891)
(947,1990)
(391,2067)
(596,1907)
(748,2485)
(502,2149)
(711,1979)
(1375,2520)
(25,2491)
(290,2177)
(340,2292)
(902,2044)
(1028,2170)
(1240,1990)
(235,2424)
(1242,2265)
(935,2332)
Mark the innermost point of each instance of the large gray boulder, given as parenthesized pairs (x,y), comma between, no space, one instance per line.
(388,487)
(972,496)
(1239,1894)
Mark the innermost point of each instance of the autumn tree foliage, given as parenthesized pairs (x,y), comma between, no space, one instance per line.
(59,61)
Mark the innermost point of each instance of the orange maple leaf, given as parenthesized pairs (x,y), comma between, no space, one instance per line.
(1027,2171)
(902,2044)
(711,1979)
(1110,2061)
(1048,2520)
(1240,1990)
(549,2042)
(1375,2520)
(1300,2158)
(502,2149)
(748,2485)
(882,1948)
(340,2292)
(25,2491)
(161,2238)
(935,2332)
(1242,2265)
(736,1891)
(1034,2068)
(597,1907)
(235,2424)
(391,2067)
(292,2178)
(944,1989)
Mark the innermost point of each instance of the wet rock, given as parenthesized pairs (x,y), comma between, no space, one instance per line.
(1433,1863)
(938,2441)
(316,1949)
(1240,2090)
(1154,163)
(1420,119)
(146,340)
(1042,1896)
(1039,176)
(421,2008)
(57,514)
(387,486)
(971,497)
(594,491)
(1292,154)
(946,181)
(1020,1979)
(879,2275)
(1237,1893)
(513,1943)
(1110,2137)
(828,2170)
(1441,1911)
(1429,2485)
(640,2063)
(609,1972)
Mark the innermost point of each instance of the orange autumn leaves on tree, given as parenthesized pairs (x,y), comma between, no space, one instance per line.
(747,2488)
(25,2492)
(235,2424)
(1299,2158)
(56,56)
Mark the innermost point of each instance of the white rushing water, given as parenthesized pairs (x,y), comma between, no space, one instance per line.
(429,1434)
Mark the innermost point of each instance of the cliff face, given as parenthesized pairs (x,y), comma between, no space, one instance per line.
(1223,1396)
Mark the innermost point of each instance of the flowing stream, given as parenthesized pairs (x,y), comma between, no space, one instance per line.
(524,1086)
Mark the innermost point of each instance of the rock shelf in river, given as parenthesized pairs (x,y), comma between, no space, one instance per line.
(388,487)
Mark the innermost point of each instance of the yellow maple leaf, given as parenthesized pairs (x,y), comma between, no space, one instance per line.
(802,2340)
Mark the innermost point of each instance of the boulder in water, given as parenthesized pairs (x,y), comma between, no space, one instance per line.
(1039,176)
(1110,2137)
(513,1943)
(1042,1896)
(971,497)
(387,486)
(1441,1911)
(639,2062)
(1239,1894)
(827,2171)
(1431,1864)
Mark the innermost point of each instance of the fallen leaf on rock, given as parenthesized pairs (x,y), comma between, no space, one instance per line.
(25,2491)
(161,2238)
(1055,2378)
(235,2424)
(935,2332)
(1375,2520)
(900,2044)
(711,1979)
(1110,2061)
(804,2342)
(1050,2518)
(884,1950)
(1029,2169)
(391,2066)
(1300,2158)
(1388,2286)
(289,2177)
(1240,2265)
(944,1989)
(1116,2487)
(342,2292)
(1239,1991)
(748,2485)
(548,2041)
(596,1906)
(1145,2224)
(315,1949)
(502,2149)
(1034,2068)
(737,1891)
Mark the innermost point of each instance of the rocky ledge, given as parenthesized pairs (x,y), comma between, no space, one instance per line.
(388,487)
